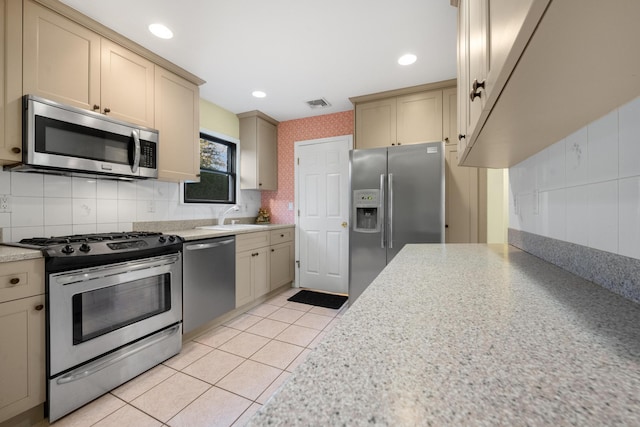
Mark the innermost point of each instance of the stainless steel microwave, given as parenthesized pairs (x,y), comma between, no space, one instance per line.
(68,140)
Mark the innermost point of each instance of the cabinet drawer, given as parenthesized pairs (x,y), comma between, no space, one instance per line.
(21,279)
(281,236)
(248,241)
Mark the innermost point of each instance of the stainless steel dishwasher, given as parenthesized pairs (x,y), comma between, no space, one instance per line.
(208,281)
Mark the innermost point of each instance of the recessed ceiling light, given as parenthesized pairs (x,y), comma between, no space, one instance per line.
(407,59)
(258,94)
(160,30)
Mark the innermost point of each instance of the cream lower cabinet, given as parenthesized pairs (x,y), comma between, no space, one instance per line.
(252,266)
(264,262)
(22,334)
(281,258)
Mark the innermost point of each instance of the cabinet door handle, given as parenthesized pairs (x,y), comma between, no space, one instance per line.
(477,85)
(107,110)
(273,250)
(461,137)
(476,89)
(14,281)
(16,150)
(39,307)
(96,107)
(282,235)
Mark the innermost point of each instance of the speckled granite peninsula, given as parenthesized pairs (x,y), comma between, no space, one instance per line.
(471,335)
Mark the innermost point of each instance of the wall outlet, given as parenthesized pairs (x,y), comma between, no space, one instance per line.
(5,203)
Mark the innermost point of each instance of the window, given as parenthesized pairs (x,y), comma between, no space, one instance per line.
(217,173)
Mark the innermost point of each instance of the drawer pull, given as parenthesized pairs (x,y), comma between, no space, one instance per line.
(39,307)
(14,281)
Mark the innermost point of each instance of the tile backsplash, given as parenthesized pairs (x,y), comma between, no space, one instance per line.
(52,205)
(585,189)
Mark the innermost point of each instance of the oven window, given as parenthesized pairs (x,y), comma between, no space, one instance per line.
(104,310)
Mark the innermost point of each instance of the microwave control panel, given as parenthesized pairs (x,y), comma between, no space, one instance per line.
(148,154)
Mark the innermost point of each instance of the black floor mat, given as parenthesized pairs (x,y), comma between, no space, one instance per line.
(319,298)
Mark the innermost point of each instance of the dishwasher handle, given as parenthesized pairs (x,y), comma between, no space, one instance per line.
(199,246)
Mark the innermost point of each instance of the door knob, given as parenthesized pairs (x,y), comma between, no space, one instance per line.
(344,224)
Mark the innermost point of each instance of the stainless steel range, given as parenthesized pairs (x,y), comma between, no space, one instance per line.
(114,310)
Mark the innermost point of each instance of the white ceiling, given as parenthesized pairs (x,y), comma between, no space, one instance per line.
(294,50)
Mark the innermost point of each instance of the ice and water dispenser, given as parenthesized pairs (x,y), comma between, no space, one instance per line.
(367,211)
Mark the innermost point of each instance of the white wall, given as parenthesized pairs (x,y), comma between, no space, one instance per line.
(585,189)
(50,205)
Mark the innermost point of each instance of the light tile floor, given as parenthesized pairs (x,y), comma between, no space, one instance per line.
(220,378)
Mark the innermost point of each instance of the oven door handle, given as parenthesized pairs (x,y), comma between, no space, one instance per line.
(116,357)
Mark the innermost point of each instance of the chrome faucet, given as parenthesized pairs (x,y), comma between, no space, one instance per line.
(221,217)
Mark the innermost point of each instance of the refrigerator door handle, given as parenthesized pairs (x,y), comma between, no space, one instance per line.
(390,238)
(381,210)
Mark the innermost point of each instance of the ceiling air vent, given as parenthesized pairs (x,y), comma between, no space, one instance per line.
(318,103)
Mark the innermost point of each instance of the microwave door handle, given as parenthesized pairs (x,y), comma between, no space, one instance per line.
(136,153)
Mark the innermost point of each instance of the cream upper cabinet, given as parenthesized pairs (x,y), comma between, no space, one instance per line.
(405,119)
(376,123)
(177,114)
(419,117)
(67,62)
(450,116)
(22,334)
(61,58)
(11,79)
(258,152)
(127,85)
(541,85)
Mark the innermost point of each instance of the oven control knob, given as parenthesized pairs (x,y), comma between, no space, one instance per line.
(172,238)
(84,247)
(67,250)
(162,239)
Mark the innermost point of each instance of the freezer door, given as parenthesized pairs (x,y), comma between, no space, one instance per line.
(415,192)
(367,250)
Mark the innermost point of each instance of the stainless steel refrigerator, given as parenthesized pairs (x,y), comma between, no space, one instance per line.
(397,197)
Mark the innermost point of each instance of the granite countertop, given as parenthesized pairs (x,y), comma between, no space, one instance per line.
(197,234)
(471,335)
(14,253)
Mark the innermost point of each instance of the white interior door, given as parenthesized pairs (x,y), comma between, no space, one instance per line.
(322,207)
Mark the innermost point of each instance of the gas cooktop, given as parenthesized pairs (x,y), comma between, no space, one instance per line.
(80,249)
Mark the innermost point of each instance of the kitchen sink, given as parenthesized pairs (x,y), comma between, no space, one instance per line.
(232,227)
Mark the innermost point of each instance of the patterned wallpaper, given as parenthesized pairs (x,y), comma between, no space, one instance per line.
(337,124)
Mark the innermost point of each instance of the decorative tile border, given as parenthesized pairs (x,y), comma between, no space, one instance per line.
(617,273)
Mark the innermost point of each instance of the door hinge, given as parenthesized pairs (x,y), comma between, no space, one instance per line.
(298,160)
(298,263)
(298,212)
